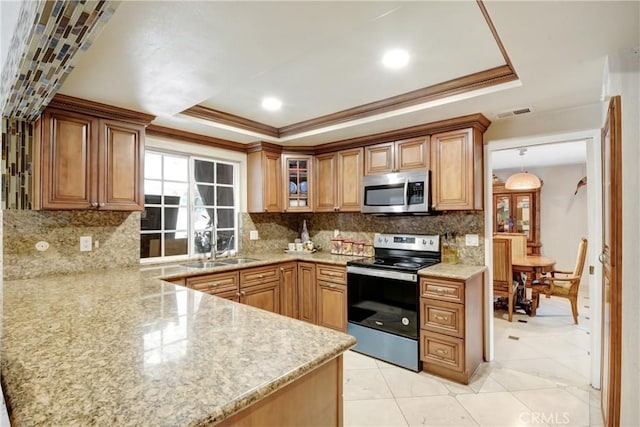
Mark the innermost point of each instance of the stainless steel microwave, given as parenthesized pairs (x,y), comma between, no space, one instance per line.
(396,193)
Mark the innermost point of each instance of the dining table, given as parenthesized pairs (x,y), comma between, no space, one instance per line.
(533,267)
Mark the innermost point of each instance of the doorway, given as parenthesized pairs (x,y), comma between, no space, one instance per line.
(591,279)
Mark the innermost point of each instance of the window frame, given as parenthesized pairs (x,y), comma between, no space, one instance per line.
(190,206)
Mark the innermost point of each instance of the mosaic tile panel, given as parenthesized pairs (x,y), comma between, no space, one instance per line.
(276,230)
(43,51)
(17,146)
(118,234)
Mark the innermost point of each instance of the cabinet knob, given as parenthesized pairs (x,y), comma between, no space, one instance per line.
(243,293)
(281,269)
(214,284)
(102,205)
(237,294)
(261,276)
(94,204)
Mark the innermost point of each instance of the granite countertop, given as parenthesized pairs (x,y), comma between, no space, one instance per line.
(453,271)
(126,348)
(176,270)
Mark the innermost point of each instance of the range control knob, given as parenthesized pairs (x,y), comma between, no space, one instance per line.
(424,241)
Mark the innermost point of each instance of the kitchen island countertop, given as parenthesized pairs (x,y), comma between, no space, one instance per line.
(122,347)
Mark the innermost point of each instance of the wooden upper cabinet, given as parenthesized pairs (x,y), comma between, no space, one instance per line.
(398,156)
(83,162)
(338,180)
(457,170)
(264,178)
(120,164)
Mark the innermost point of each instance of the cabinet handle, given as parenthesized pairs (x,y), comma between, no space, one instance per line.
(441,351)
(441,317)
(332,285)
(214,284)
(238,294)
(261,276)
(243,293)
(282,269)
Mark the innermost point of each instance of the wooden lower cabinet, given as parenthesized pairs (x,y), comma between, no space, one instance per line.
(313,400)
(332,306)
(331,294)
(264,295)
(289,290)
(216,284)
(451,332)
(307,291)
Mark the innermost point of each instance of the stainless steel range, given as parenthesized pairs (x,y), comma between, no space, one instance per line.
(384,297)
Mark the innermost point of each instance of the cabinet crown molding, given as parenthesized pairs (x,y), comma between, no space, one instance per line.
(83,106)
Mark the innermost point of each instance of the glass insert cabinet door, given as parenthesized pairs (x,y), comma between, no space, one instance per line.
(298,173)
(503,221)
(523,215)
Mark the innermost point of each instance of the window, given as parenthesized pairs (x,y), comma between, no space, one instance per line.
(189,202)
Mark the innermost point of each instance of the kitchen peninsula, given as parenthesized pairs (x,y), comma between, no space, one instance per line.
(122,347)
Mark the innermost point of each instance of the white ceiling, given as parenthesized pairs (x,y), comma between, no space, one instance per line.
(162,57)
(565,153)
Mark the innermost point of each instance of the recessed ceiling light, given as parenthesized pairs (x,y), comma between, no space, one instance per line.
(271,104)
(395,58)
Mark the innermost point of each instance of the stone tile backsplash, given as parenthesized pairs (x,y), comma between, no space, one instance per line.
(118,234)
(276,230)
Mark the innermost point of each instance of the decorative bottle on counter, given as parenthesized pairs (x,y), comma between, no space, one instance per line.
(304,236)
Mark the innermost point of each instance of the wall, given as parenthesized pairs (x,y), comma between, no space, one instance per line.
(276,230)
(563,215)
(624,80)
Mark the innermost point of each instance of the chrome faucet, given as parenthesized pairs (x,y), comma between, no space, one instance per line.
(214,241)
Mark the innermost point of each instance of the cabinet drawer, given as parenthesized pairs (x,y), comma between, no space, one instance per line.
(213,283)
(443,290)
(442,350)
(442,317)
(331,273)
(253,276)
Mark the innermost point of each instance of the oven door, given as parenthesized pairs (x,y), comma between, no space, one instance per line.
(383,300)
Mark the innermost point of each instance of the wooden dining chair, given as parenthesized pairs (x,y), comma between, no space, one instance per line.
(565,284)
(518,243)
(503,283)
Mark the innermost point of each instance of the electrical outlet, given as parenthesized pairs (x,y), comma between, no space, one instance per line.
(336,232)
(85,243)
(253,235)
(42,246)
(471,240)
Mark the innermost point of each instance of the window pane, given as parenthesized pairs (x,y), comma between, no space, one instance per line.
(202,242)
(152,165)
(175,168)
(224,174)
(150,218)
(175,193)
(203,171)
(225,218)
(152,187)
(150,245)
(171,219)
(224,196)
(202,218)
(223,240)
(175,245)
(205,195)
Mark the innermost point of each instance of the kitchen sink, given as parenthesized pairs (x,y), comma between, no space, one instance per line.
(205,264)
(238,261)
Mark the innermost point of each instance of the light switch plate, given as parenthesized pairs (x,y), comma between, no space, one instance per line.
(471,240)
(253,235)
(85,243)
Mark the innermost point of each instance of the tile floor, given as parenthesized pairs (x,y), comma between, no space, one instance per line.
(540,377)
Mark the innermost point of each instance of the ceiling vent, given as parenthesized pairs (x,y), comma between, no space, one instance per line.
(515,112)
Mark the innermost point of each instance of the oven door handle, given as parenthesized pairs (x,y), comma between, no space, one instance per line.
(386,274)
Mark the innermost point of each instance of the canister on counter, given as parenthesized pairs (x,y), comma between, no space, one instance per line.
(347,247)
(358,248)
(368,250)
(336,245)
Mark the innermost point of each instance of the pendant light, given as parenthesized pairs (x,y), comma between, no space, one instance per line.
(522,180)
